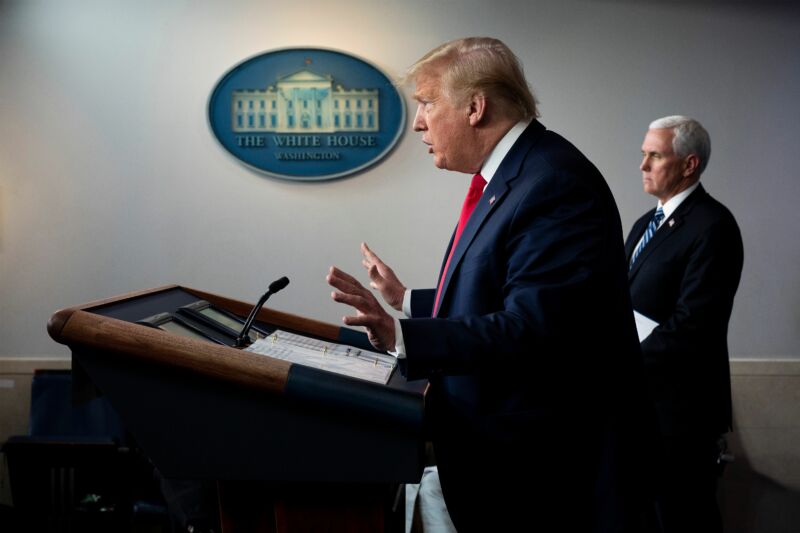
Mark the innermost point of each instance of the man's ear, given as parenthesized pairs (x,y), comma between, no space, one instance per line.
(477,109)
(690,165)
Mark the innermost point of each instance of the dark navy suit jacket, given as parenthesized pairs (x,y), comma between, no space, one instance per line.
(685,279)
(533,360)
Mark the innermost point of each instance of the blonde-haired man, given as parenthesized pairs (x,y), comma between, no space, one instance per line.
(527,338)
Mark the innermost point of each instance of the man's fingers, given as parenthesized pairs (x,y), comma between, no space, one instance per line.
(355,296)
(342,275)
(355,300)
(369,255)
(360,320)
(343,281)
(365,250)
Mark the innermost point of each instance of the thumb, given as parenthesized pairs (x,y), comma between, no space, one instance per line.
(374,275)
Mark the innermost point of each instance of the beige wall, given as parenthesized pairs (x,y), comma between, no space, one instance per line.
(766,406)
(761,489)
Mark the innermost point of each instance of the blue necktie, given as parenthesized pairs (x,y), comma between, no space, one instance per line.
(648,234)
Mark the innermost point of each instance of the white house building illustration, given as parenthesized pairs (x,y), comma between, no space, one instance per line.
(305,102)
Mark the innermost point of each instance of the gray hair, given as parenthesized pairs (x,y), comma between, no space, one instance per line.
(480,64)
(690,138)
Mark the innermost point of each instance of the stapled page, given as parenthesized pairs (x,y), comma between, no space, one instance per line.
(338,358)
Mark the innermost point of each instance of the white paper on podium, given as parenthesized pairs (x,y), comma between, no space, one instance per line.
(338,358)
(644,325)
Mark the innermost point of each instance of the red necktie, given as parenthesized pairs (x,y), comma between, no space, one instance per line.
(473,195)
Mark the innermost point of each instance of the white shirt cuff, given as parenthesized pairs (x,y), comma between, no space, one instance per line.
(407,303)
(399,345)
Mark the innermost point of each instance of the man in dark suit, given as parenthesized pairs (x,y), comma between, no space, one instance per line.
(528,340)
(685,261)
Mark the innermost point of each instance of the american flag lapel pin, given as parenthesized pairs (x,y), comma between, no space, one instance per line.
(492,199)
(671,222)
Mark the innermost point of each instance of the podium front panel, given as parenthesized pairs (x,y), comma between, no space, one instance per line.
(194,424)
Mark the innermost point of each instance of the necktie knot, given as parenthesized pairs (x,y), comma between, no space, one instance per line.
(658,216)
(473,195)
(476,185)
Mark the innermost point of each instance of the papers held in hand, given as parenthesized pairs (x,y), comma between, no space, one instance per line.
(338,358)
(644,325)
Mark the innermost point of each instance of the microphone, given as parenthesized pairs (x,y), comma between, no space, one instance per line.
(275,286)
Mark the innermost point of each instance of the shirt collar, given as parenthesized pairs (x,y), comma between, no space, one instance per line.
(501,149)
(672,204)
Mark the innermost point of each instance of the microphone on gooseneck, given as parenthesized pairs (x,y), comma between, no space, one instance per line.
(275,286)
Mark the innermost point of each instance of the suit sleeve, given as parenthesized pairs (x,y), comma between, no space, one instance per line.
(422,302)
(544,273)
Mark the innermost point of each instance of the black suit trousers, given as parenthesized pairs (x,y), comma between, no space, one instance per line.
(685,498)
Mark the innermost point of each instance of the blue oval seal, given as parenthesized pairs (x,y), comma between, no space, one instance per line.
(306,113)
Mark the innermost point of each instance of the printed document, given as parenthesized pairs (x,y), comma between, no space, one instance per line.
(338,358)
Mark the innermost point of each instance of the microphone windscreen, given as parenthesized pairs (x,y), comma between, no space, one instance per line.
(278,284)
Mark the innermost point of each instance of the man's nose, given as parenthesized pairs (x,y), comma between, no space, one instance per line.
(419,120)
(645,164)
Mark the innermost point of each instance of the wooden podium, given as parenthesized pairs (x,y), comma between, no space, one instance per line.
(292,448)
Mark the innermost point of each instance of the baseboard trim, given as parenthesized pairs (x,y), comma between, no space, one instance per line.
(27,364)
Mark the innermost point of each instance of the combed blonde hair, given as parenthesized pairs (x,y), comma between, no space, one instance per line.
(480,65)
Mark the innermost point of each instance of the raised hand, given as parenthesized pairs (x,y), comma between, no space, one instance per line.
(369,312)
(383,278)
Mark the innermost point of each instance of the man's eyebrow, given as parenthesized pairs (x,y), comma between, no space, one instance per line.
(425,98)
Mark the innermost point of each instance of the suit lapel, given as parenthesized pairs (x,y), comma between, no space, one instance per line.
(667,229)
(481,213)
(636,234)
(670,226)
(492,198)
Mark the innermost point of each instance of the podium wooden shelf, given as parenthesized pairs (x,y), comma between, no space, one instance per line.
(293,448)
